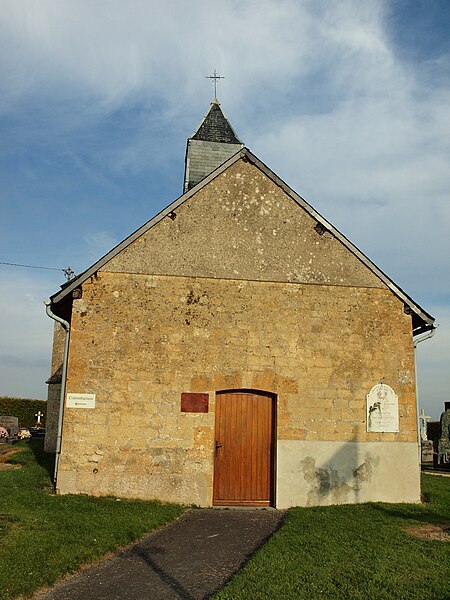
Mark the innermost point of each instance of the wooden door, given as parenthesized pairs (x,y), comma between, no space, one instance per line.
(243,464)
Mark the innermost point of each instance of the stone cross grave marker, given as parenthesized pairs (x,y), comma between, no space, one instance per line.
(426,445)
(423,425)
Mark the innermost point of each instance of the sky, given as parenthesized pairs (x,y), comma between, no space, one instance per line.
(347,101)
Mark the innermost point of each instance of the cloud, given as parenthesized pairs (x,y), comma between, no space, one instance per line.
(25,343)
(376,161)
(98,98)
(113,51)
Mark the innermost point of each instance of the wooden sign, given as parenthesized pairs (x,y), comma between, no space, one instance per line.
(194,402)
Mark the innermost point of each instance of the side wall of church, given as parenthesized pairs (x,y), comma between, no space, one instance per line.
(54,389)
(139,341)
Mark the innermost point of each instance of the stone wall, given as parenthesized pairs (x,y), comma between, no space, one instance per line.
(54,388)
(138,341)
(51,424)
(238,288)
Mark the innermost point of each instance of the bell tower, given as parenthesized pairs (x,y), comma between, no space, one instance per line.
(211,145)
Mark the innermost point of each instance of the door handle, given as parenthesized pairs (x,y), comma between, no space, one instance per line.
(217,448)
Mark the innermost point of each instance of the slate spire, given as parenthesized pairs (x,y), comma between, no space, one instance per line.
(215,127)
(211,145)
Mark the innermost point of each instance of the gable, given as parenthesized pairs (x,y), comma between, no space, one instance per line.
(243,226)
(61,301)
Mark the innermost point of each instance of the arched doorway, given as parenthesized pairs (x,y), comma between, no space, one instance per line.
(245,448)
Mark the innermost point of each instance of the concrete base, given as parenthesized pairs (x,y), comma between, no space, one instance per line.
(325,473)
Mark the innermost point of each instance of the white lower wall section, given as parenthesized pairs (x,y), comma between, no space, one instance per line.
(311,473)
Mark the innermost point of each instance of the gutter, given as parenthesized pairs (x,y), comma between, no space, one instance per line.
(424,337)
(66,326)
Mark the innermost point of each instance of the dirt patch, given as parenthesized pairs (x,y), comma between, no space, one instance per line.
(5,455)
(440,533)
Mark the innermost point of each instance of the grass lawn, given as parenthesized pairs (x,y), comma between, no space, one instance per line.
(44,536)
(358,552)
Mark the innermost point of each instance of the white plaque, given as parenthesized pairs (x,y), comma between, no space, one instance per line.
(382,409)
(80,401)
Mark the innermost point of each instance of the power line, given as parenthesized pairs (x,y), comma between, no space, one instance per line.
(67,272)
(30,266)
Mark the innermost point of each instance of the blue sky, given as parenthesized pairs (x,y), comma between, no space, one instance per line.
(347,101)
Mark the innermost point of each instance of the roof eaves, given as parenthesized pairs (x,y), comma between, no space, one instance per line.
(426,317)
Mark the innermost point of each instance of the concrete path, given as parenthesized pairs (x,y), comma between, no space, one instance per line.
(191,558)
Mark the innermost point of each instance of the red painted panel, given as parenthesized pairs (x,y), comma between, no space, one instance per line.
(194,402)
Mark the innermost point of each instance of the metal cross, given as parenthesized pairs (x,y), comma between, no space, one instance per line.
(215,77)
(38,415)
(68,273)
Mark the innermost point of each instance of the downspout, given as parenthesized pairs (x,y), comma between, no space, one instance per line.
(66,326)
(424,337)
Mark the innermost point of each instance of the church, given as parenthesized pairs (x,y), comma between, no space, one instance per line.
(235,350)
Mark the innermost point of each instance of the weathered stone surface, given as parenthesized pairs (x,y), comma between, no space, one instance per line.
(426,451)
(243,226)
(238,289)
(138,341)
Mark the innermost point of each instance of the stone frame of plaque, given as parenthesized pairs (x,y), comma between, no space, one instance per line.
(382,410)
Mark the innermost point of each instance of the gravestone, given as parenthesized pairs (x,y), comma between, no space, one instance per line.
(11,424)
(444,438)
(426,445)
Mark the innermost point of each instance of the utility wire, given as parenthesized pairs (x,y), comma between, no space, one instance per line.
(67,272)
(30,266)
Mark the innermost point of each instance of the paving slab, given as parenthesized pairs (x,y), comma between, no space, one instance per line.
(190,558)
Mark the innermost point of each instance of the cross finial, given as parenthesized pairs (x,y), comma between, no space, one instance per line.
(68,273)
(215,77)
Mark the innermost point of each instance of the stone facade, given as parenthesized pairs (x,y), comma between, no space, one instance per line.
(238,289)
